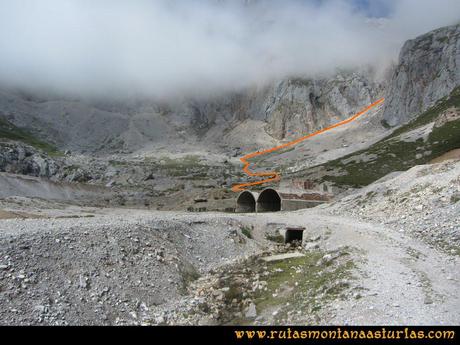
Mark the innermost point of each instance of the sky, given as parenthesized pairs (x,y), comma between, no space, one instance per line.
(195,48)
(373,8)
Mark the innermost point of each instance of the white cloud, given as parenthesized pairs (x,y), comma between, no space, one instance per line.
(162,48)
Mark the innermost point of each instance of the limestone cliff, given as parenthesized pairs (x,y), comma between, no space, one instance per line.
(428,70)
(282,109)
(290,107)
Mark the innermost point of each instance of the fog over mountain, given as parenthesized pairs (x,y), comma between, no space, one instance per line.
(165,49)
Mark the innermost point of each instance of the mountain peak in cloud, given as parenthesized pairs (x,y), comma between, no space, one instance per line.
(164,49)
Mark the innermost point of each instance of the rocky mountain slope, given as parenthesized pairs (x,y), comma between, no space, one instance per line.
(428,70)
(283,109)
(164,155)
(182,145)
(432,134)
(423,97)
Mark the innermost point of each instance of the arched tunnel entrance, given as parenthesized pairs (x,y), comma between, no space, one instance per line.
(269,201)
(246,202)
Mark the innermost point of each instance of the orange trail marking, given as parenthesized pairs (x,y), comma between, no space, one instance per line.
(273,175)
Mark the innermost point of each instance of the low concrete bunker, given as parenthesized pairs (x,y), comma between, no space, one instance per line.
(246,201)
(293,234)
(279,232)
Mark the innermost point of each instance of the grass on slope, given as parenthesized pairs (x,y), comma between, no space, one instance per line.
(302,284)
(11,132)
(393,154)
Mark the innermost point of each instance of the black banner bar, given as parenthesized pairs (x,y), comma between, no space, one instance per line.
(247,334)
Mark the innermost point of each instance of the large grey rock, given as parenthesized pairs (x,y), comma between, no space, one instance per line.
(22,159)
(301,106)
(251,311)
(428,70)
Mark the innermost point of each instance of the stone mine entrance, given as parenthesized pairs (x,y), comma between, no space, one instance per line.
(293,234)
(246,202)
(269,201)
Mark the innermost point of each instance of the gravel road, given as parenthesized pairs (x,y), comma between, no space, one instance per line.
(122,266)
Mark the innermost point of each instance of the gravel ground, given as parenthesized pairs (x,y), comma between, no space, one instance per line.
(399,236)
(422,202)
(107,269)
(398,279)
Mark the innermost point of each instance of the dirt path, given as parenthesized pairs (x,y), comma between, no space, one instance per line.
(400,279)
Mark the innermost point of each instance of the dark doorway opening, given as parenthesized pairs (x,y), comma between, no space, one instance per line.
(294,234)
(269,201)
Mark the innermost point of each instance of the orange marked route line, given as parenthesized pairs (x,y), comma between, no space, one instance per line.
(273,175)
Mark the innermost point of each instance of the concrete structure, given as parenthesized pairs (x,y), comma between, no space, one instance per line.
(285,256)
(271,200)
(309,185)
(246,201)
(293,234)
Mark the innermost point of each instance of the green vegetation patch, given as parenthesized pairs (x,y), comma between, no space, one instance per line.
(454,198)
(385,124)
(453,100)
(11,132)
(246,231)
(282,290)
(443,40)
(277,238)
(393,154)
(302,284)
(183,166)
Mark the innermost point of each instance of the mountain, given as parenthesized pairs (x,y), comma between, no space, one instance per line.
(187,145)
(428,70)
(423,99)
(283,109)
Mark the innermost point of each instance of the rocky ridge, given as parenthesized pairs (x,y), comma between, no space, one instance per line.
(428,70)
(283,109)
